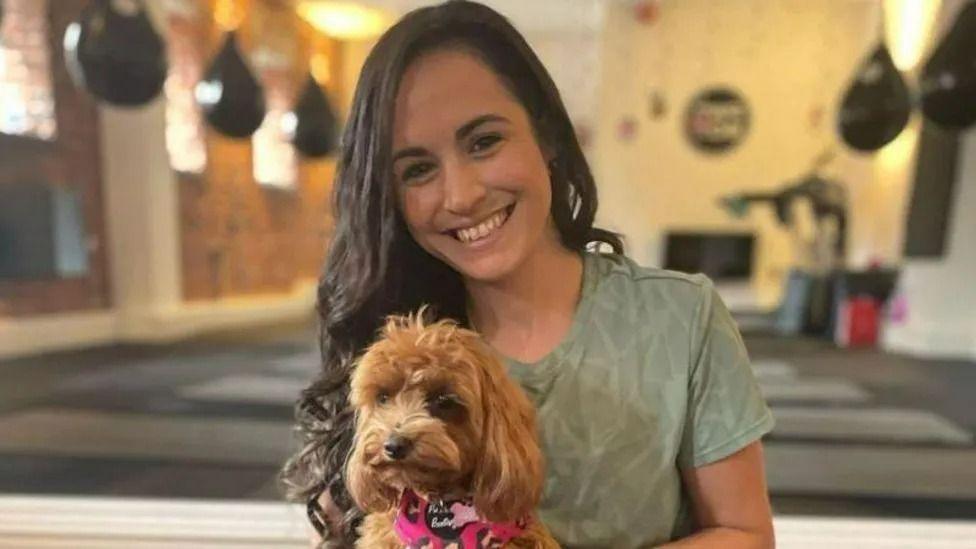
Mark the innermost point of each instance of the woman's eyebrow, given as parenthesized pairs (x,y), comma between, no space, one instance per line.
(410,151)
(468,127)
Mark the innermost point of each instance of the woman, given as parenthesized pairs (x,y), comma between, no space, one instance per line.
(461,184)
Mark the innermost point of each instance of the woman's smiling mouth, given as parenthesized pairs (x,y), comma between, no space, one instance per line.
(484,229)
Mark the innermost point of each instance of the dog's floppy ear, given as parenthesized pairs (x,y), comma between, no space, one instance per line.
(371,495)
(508,479)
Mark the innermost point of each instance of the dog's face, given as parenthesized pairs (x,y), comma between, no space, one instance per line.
(437,413)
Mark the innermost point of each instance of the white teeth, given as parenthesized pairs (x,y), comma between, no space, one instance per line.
(483,229)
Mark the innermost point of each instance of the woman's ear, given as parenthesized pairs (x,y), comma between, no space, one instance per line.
(550,155)
(552,166)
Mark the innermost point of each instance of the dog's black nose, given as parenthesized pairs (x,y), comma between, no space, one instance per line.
(396,447)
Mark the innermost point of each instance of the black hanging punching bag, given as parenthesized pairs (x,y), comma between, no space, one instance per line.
(116,55)
(876,108)
(948,82)
(316,128)
(229,95)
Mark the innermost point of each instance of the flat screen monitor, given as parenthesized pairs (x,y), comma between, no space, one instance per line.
(720,256)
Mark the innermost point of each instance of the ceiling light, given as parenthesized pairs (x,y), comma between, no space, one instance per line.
(344,20)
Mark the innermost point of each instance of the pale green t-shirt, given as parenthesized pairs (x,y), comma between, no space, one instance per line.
(652,377)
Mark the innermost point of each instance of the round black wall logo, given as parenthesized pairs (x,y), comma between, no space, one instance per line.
(717,120)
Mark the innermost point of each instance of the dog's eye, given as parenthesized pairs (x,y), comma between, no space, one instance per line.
(444,405)
(382,398)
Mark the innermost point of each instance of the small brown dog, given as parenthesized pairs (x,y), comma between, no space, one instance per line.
(446,453)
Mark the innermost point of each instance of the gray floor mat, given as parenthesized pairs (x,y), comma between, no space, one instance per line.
(777,389)
(865,471)
(84,433)
(889,425)
(251,389)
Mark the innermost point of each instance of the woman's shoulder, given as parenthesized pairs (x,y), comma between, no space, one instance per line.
(621,275)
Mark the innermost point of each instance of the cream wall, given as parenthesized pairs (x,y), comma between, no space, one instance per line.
(573,60)
(790,59)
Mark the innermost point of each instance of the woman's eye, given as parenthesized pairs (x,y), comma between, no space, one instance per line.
(416,172)
(484,143)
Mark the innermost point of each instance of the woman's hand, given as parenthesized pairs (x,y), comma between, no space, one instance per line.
(332,515)
(731,503)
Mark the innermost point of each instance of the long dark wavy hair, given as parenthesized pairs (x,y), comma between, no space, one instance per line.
(374,268)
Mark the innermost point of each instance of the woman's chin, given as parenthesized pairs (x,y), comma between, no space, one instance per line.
(486,269)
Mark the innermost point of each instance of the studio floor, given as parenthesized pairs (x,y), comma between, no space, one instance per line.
(859,433)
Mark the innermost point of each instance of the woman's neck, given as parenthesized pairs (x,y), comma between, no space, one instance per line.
(528,313)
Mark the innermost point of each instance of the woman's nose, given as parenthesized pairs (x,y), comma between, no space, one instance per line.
(463,190)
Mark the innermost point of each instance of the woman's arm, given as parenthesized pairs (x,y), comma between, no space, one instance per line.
(730,502)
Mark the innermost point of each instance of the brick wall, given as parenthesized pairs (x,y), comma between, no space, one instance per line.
(239,237)
(71,157)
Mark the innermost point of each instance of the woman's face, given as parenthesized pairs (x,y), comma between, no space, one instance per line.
(473,183)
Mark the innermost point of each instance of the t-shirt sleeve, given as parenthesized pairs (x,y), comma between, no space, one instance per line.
(726,411)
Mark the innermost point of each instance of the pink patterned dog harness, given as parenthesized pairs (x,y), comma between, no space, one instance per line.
(449,525)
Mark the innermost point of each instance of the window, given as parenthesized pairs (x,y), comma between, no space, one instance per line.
(26,92)
(185,129)
(275,160)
